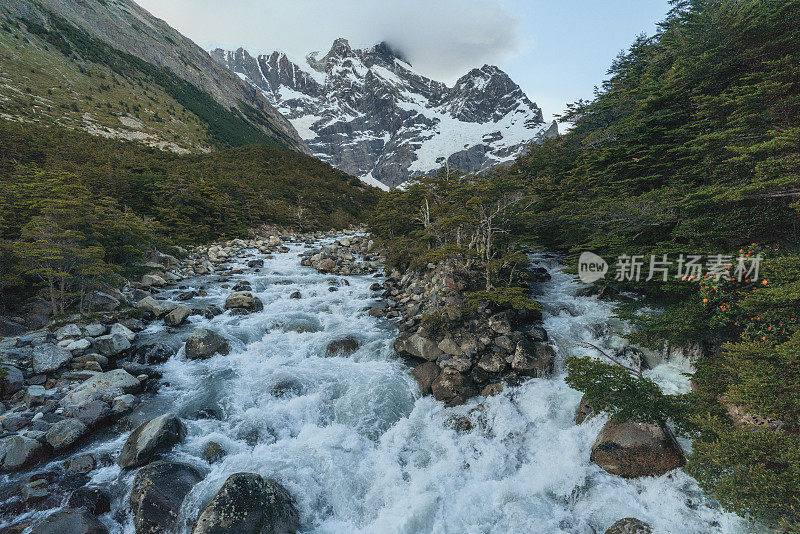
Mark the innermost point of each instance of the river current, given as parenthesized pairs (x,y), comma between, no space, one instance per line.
(361,451)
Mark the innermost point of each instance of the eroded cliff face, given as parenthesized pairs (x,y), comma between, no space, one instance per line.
(369,113)
(61,34)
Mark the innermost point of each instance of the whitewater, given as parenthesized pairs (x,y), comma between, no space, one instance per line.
(362,452)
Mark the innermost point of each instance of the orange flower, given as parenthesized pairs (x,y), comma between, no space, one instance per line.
(764,282)
(705,300)
(763,338)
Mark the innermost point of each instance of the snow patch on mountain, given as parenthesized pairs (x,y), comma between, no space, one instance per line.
(369,113)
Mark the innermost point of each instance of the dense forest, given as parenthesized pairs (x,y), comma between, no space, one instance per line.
(77,208)
(692,146)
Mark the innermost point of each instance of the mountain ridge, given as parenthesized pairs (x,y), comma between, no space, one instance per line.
(368,112)
(113,55)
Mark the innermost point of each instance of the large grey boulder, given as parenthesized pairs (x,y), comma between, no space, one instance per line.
(203,344)
(633,449)
(65,433)
(49,358)
(243,301)
(112,344)
(151,438)
(17,452)
(13,380)
(448,346)
(105,385)
(92,414)
(69,331)
(425,374)
(534,359)
(35,396)
(159,490)
(78,345)
(99,301)
(156,307)
(177,316)
(70,522)
(453,386)
(94,330)
(420,347)
(248,504)
(153,280)
(119,328)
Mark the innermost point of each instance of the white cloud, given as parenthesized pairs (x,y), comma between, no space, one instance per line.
(442,38)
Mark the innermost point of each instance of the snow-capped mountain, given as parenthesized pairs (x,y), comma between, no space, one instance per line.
(367,112)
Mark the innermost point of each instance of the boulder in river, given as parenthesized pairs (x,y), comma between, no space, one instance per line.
(65,433)
(177,316)
(534,359)
(243,301)
(93,500)
(633,449)
(159,490)
(151,438)
(203,344)
(248,504)
(629,525)
(17,452)
(155,353)
(425,374)
(452,386)
(80,465)
(93,414)
(156,307)
(70,522)
(344,346)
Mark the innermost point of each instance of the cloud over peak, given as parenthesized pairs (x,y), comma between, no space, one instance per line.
(441,38)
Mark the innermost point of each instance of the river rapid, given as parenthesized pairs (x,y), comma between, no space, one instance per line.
(361,451)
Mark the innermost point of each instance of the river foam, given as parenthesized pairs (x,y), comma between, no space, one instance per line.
(352,440)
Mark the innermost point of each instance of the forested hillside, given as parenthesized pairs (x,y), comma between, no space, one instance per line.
(692,146)
(112,69)
(77,204)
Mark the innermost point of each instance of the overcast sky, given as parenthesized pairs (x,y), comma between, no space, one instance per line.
(557,50)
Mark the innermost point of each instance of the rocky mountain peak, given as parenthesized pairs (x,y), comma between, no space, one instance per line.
(388,53)
(369,113)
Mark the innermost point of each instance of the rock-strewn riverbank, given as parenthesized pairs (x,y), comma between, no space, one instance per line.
(65,384)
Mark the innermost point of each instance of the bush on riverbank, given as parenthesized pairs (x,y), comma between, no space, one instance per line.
(476,221)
